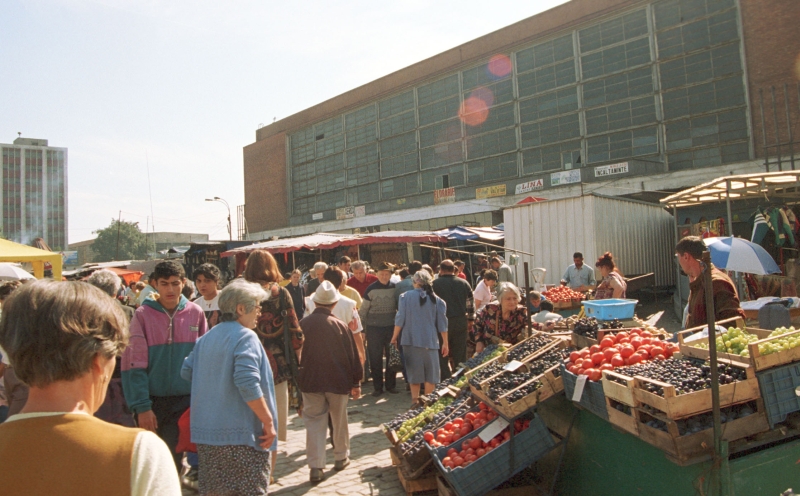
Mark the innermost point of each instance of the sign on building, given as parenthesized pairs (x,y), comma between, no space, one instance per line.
(444,195)
(316,216)
(610,170)
(345,213)
(565,177)
(490,192)
(529,186)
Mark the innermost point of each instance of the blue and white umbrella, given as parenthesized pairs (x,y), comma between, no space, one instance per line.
(740,255)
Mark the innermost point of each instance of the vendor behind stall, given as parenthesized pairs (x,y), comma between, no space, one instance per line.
(503,320)
(578,276)
(612,285)
(726,301)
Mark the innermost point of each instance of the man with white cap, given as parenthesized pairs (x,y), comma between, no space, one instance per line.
(329,370)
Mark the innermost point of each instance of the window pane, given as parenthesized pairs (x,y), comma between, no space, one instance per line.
(492,169)
(548,105)
(329,164)
(328,128)
(616,58)
(396,104)
(618,146)
(498,93)
(303,206)
(399,145)
(331,145)
(397,166)
(331,182)
(360,117)
(499,117)
(546,79)
(362,155)
(441,155)
(550,131)
(439,111)
(360,136)
(363,174)
(303,137)
(618,87)
(329,201)
(303,154)
(455,176)
(549,158)
(364,194)
(613,31)
(621,115)
(398,124)
(440,133)
(545,54)
(437,90)
(479,76)
(492,143)
(399,187)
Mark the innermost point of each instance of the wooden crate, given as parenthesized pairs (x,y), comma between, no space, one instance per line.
(622,393)
(677,406)
(446,490)
(692,448)
(534,334)
(582,341)
(703,354)
(427,482)
(621,420)
(761,362)
(551,386)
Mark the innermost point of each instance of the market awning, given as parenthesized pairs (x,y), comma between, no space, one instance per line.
(772,184)
(461,233)
(327,241)
(15,252)
(128,276)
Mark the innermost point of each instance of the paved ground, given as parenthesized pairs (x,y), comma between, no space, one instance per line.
(371,470)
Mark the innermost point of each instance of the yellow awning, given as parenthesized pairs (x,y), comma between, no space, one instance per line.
(15,252)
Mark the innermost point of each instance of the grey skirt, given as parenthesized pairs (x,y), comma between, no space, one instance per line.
(422,365)
(236,469)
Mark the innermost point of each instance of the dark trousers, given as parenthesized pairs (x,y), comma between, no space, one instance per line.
(168,409)
(457,342)
(379,339)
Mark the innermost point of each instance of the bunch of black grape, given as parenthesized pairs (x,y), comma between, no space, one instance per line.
(587,327)
(396,422)
(612,324)
(480,357)
(528,347)
(684,374)
(506,382)
(485,373)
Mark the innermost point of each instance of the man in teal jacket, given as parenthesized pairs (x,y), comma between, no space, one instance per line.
(163,333)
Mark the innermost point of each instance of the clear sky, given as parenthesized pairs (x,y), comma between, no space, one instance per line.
(183,85)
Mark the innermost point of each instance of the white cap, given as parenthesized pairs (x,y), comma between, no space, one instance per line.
(326,294)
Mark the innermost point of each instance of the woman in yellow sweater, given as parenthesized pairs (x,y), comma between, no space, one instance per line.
(62,339)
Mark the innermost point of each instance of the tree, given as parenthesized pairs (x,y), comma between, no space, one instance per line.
(132,244)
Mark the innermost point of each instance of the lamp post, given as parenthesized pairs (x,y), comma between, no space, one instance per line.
(218,199)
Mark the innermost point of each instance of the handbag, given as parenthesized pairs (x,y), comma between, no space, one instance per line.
(394,363)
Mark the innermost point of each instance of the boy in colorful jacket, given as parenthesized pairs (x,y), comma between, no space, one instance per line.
(163,333)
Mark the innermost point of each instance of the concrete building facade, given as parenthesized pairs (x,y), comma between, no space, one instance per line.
(34,191)
(618,97)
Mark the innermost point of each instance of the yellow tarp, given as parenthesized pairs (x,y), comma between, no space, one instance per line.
(15,252)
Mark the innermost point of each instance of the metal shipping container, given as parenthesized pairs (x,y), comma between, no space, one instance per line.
(640,236)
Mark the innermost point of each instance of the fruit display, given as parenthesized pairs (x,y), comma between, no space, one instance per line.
(510,380)
(470,450)
(528,347)
(735,342)
(491,351)
(536,368)
(685,375)
(612,324)
(459,427)
(411,426)
(704,421)
(559,294)
(587,327)
(618,350)
(412,443)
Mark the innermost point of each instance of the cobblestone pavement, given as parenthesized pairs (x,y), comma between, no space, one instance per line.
(370,471)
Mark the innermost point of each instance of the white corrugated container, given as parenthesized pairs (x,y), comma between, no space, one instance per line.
(640,235)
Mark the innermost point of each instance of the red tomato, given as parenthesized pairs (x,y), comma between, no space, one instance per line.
(574,356)
(458,422)
(607,366)
(458,461)
(488,449)
(450,464)
(636,342)
(647,341)
(617,361)
(588,372)
(448,426)
(594,349)
(606,343)
(621,335)
(625,340)
(428,436)
(634,359)
(659,357)
(491,416)
(506,435)
(668,352)
(457,435)
(452,452)
(469,417)
(646,334)
(597,358)
(480,452)
(636,331)
(656,350)
(440,438)
(610,352)
(626,351)
(471,458)
(475,442)
(446,460)
(596,375)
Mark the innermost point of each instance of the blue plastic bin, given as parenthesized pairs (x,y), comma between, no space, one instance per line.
(610,309)
(778,389)
(494,468)
(593,397)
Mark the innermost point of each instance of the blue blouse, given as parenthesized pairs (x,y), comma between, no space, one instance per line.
(419,322)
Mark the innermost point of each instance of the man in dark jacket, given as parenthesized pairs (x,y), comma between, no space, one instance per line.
(377,315)
(330,369)
(455,292)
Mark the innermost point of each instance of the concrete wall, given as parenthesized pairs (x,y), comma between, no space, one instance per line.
(266,202)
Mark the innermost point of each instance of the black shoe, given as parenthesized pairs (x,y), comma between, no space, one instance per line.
(377,393)
(408,387)
(392,391)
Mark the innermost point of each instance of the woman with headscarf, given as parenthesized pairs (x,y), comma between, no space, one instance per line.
(612,285)
(420,316)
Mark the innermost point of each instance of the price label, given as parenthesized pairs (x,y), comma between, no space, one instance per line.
(458,372)
(512,365)
(579,385)
(493,429)
(443,391)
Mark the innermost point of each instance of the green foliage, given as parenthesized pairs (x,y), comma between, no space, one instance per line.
(132,242)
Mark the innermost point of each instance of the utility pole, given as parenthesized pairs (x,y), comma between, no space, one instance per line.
(119,220)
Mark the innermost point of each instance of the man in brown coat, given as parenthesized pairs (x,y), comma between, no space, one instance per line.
(726,301)
(330,369)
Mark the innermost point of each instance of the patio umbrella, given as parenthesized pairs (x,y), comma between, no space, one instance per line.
(740,255)
(13,272)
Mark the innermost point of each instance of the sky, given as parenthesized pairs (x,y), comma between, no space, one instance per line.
(156,99)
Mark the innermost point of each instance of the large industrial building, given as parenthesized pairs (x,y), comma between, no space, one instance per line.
(618,97)
(34,192)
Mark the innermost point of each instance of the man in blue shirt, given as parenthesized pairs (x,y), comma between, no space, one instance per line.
(578,276)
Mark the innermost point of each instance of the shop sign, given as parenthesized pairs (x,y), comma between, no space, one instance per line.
(345,213)
(444,195)
(490,191)
(534,185)
(361,211)
(317,216)
(69,257)
(610,170)
(565,177)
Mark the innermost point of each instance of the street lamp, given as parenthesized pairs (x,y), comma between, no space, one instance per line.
(218,199)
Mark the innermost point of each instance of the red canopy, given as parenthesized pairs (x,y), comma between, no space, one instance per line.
(128,276)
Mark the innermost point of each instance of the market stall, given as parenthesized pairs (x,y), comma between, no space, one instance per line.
(318,242)
(617,407)
(39,259)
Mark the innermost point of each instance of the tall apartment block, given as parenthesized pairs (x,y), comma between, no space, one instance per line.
(34,192)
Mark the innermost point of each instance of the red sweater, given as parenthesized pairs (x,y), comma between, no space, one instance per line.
(359,286)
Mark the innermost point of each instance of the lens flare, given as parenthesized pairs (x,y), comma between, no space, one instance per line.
(499,65)
(473,111)
(484,94)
